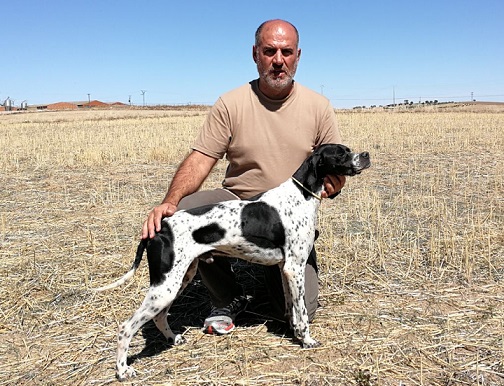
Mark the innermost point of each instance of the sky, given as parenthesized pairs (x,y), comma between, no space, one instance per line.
(356,53)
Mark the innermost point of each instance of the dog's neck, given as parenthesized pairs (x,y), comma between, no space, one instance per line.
(306,190)
(308,181)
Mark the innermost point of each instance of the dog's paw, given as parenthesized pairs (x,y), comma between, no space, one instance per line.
(124,374)
(179,339)
(309,343)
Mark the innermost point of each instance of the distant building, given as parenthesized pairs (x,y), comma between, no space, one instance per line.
(77,105)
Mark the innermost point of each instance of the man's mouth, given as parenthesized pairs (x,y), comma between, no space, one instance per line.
(277,73)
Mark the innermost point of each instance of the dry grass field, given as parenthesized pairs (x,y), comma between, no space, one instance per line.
(411,256)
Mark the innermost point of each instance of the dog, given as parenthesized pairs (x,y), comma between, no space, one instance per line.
(276,228)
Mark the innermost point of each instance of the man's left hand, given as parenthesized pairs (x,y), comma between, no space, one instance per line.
(332,185)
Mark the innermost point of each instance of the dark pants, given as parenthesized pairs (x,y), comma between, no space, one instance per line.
(219,277)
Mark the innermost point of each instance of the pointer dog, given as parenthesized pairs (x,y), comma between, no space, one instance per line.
(277,228)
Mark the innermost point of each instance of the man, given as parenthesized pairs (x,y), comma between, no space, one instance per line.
(265,129)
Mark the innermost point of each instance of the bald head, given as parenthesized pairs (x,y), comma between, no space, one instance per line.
(276,24)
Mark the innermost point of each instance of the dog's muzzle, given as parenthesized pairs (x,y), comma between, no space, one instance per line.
(360,162)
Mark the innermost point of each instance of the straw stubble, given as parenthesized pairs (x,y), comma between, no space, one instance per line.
(411,256)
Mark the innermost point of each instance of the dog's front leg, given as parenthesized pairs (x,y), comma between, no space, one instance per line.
(294,281)
(287,295)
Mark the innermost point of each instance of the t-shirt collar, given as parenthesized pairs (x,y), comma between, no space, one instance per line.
(260,94)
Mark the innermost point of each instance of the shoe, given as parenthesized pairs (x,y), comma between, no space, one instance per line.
(221,320)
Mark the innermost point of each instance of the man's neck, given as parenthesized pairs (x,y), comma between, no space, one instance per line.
(273,93)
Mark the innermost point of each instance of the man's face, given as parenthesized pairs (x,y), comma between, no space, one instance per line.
(277,57)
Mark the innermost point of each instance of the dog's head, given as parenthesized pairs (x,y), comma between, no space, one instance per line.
(330,159)
(339,160)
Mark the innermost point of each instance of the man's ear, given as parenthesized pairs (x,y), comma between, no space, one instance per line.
(254,53)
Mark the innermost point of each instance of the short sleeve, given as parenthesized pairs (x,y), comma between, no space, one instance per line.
(328,130)
(213,139)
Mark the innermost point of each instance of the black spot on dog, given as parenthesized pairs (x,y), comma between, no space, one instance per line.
(261,225)
(201,210)
(160,254)
(208,234)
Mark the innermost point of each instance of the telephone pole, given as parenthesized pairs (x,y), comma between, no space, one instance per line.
(143,96)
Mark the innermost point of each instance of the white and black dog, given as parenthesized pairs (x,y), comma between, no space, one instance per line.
(277,228)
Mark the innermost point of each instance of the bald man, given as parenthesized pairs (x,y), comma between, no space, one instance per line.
(265,129)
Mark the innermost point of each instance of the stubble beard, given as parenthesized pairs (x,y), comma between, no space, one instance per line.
(277,83)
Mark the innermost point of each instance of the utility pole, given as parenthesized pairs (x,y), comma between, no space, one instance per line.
(472,96)
(89,100)
(393,95)
(143,96)
(129,99)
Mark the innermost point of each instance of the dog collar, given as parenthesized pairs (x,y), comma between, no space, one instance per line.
(318,197)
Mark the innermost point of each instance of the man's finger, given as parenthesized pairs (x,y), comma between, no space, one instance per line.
(145,231)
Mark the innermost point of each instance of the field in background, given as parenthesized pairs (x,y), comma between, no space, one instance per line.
(411,256)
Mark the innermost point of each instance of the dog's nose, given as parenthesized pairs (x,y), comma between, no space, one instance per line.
(365,154)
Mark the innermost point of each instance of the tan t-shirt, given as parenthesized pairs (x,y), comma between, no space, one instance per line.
(265,140)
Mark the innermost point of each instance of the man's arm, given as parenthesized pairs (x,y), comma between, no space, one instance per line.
(188,178)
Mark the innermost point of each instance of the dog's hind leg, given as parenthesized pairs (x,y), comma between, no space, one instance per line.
(161,319)
(191,271)
(156,304)
(156,301)
(162,324)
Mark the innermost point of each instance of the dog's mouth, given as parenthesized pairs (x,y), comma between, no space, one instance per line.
(360,162)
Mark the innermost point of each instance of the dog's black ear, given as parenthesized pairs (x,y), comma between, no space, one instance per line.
(337,160)
(324,161)
(317,162)
(308,174)
(325,158)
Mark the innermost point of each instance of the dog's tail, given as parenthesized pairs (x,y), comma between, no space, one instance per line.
(138,258)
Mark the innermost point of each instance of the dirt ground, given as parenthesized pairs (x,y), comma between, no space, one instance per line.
(411,257)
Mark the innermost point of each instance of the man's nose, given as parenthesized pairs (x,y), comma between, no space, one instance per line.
(278,58)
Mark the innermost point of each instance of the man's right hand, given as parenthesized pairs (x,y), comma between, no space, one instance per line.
(153,222)
(188,178)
